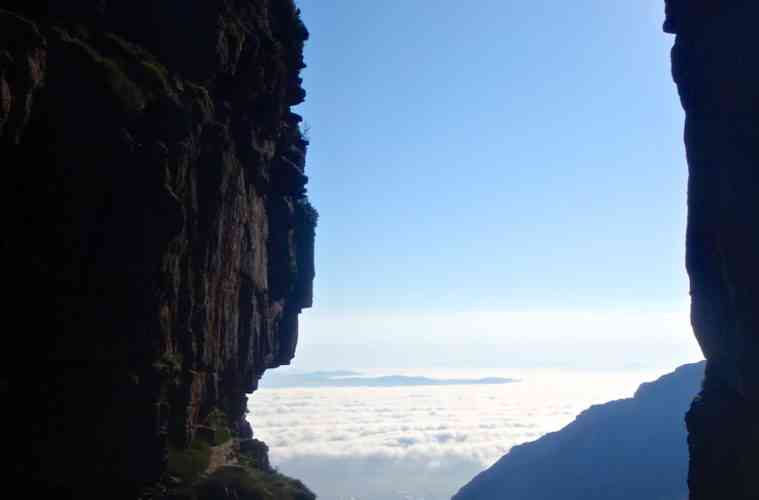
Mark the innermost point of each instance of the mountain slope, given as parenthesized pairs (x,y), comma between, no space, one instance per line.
(627,449)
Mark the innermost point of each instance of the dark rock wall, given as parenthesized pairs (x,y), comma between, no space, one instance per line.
(157,239)
(716,67)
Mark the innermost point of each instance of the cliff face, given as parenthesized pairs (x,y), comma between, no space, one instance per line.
(716,67)
(158,241)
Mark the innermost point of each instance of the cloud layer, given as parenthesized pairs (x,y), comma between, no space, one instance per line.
(418,442)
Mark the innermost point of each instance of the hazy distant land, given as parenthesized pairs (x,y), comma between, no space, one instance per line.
(343,378)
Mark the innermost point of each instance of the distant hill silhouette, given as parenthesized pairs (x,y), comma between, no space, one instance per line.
(343,378)
(630,449)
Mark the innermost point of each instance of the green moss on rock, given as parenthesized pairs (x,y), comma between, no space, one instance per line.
(169,363)
(189,464)
(255,454)
(245,483)
(129,72)
(219,424)
(156,76)
(116,81)
(145,70)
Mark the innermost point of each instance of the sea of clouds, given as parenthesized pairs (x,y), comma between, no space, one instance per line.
(419,443)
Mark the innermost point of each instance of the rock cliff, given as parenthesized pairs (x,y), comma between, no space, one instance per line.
(716,67)
(157,238)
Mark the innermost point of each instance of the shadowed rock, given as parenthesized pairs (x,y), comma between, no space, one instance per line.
(716,67)
(158,241)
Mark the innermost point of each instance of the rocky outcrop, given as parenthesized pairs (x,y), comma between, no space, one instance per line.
(157,237)
(716,68)
(628,449)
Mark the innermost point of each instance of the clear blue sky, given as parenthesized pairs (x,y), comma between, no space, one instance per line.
(492,156)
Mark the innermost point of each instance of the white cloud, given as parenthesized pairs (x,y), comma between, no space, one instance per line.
(382,477)
(426,431)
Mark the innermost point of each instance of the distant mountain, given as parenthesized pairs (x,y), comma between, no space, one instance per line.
(354,379)
(630,449)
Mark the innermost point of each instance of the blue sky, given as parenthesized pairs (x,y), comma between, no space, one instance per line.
(487,159)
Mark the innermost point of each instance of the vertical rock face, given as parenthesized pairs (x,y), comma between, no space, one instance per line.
(157,238)
(716,67)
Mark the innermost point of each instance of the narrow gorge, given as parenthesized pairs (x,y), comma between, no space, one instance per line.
(159,243)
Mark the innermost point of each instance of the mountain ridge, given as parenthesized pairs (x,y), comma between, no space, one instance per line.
(356,379)
(598,451)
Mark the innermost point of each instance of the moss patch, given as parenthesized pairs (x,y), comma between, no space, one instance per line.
(150,75)
(130,96)
(255,454)
(252,484)
(219,423)
(169,365)
(189,464)
(156,76)
(198,93)
(131,73)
